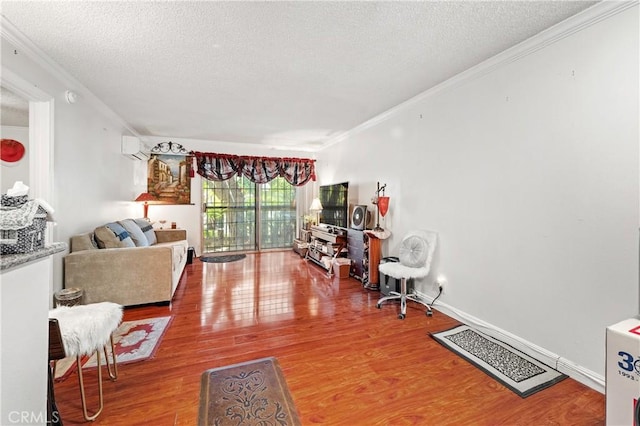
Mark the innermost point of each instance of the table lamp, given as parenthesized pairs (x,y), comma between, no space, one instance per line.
(316,206)
(146,198)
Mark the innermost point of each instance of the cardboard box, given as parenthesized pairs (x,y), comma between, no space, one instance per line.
(622,372)
(300,247)
(341,267)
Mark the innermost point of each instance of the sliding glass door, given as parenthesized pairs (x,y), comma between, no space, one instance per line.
(239,215)
(277,212)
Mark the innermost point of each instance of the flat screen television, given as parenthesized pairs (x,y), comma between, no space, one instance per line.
(335,204)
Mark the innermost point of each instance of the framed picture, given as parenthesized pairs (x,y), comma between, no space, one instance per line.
(168,178)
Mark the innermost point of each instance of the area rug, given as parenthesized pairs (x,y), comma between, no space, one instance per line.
(517,371)
(133,340)
(223,258)
(249,393)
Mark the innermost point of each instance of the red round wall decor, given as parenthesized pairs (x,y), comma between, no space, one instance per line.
(11,150)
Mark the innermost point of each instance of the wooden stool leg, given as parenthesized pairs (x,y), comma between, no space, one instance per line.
(113,368)
(53,414)
(82,393)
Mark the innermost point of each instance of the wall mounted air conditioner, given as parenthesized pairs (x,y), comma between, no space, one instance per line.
(134,148)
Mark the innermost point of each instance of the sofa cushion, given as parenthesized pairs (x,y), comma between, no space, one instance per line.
(136,234)
(106,237)
(147,228)
(83,242)
(122,234)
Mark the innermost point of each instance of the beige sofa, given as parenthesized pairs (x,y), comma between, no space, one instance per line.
(110,270)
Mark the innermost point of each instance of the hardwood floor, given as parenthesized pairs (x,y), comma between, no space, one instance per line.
(345,361)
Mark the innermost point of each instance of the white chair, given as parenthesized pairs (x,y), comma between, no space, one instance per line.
(416,254)
(86,329)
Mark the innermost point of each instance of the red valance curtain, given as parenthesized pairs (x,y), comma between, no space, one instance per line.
(296,171)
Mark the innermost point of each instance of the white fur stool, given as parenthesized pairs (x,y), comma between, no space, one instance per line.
(86,329)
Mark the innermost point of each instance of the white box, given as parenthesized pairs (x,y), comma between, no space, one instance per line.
(622,372)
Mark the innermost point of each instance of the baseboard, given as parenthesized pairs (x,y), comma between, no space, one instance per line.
(571,369)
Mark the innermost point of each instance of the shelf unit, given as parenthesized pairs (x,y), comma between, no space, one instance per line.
(358,252)
(325,244)
(301,245)
(374,258)
(365,251)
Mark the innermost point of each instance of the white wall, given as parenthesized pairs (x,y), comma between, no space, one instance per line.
(92,180)
(17,170)
(529,173)
(24,343)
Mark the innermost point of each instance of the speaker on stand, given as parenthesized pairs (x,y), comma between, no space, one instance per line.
(359,217)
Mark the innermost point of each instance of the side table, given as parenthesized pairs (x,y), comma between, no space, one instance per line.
(166,235)
(375,255)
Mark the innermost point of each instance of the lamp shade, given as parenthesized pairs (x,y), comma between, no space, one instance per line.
(383,205)
(145,196)
(316,205)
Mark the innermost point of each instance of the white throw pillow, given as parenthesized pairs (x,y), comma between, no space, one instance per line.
(147,229)
(414,251)
(135,232)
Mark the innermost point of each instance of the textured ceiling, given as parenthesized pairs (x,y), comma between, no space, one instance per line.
(286,74)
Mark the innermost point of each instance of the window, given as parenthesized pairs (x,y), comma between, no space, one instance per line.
(240,215)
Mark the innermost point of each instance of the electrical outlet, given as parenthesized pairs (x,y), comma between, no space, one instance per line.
(441,281)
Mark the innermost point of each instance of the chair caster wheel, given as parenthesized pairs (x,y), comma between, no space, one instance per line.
(429,313)
(378,306)
(400,316)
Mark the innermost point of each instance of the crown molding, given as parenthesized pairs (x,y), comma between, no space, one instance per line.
(20,87)
(21,42)
(569,26)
